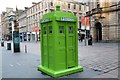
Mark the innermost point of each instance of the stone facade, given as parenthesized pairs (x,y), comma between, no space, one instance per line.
(5,22)
(35,13)
(22,19)
(0,28)
(119,22)
(106,20)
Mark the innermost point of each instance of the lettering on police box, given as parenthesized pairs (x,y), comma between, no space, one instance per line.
(67,19)
(45,20)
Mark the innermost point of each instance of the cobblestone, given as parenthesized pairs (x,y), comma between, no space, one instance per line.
(101,57)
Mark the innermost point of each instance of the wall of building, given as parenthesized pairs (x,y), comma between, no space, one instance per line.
(22,19)
(0,28)
(109,22)
(5,24)
(35,12)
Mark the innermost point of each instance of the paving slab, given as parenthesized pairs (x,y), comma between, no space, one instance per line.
(96,60)
(22,65)
(107,75)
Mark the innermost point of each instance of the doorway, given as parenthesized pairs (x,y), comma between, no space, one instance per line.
(98,27)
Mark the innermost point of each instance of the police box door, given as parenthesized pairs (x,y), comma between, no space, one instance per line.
(67,42)
(70,44)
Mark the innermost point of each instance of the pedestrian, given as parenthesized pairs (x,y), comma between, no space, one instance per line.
(81,37)
(90,40)
(2,42)
(29,39)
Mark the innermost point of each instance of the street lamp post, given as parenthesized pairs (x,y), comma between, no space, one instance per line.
(85,33)
(85,37)
(36,29)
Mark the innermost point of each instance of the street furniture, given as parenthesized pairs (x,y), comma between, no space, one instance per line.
(8,46)
(16,41)
(59,44)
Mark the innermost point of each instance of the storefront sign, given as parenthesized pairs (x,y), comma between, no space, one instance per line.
(82,22)
(45,20)
(87,23)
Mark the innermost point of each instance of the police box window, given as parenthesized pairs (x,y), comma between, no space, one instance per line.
(50,29)
(70,29)
(61,29)
(44,29)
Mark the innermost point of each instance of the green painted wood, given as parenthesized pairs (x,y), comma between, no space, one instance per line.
(59,44)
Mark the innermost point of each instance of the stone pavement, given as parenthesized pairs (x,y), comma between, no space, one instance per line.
(99,57)
(102,57)
(0,63)
(99,61)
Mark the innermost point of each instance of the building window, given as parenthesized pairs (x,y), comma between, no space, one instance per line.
(36,8)
(39,14)
(79,25)
(68,6)
(51,3)
(31,18)
(39,6)
(79,7)
(31,10)
(74,6)
(98,5)
(45,4)
(42,5)
(36,17)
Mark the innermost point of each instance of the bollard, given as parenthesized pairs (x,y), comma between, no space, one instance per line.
(90,40)
(25,49)
(8,46)
(2,44)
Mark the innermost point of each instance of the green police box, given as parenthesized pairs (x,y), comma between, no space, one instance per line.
(59,44)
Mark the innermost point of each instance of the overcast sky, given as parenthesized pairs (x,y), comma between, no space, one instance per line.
(19,3)
(13,3)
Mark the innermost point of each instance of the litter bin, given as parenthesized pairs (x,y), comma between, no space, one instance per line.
(90,40)
(2,43)
(8,46)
